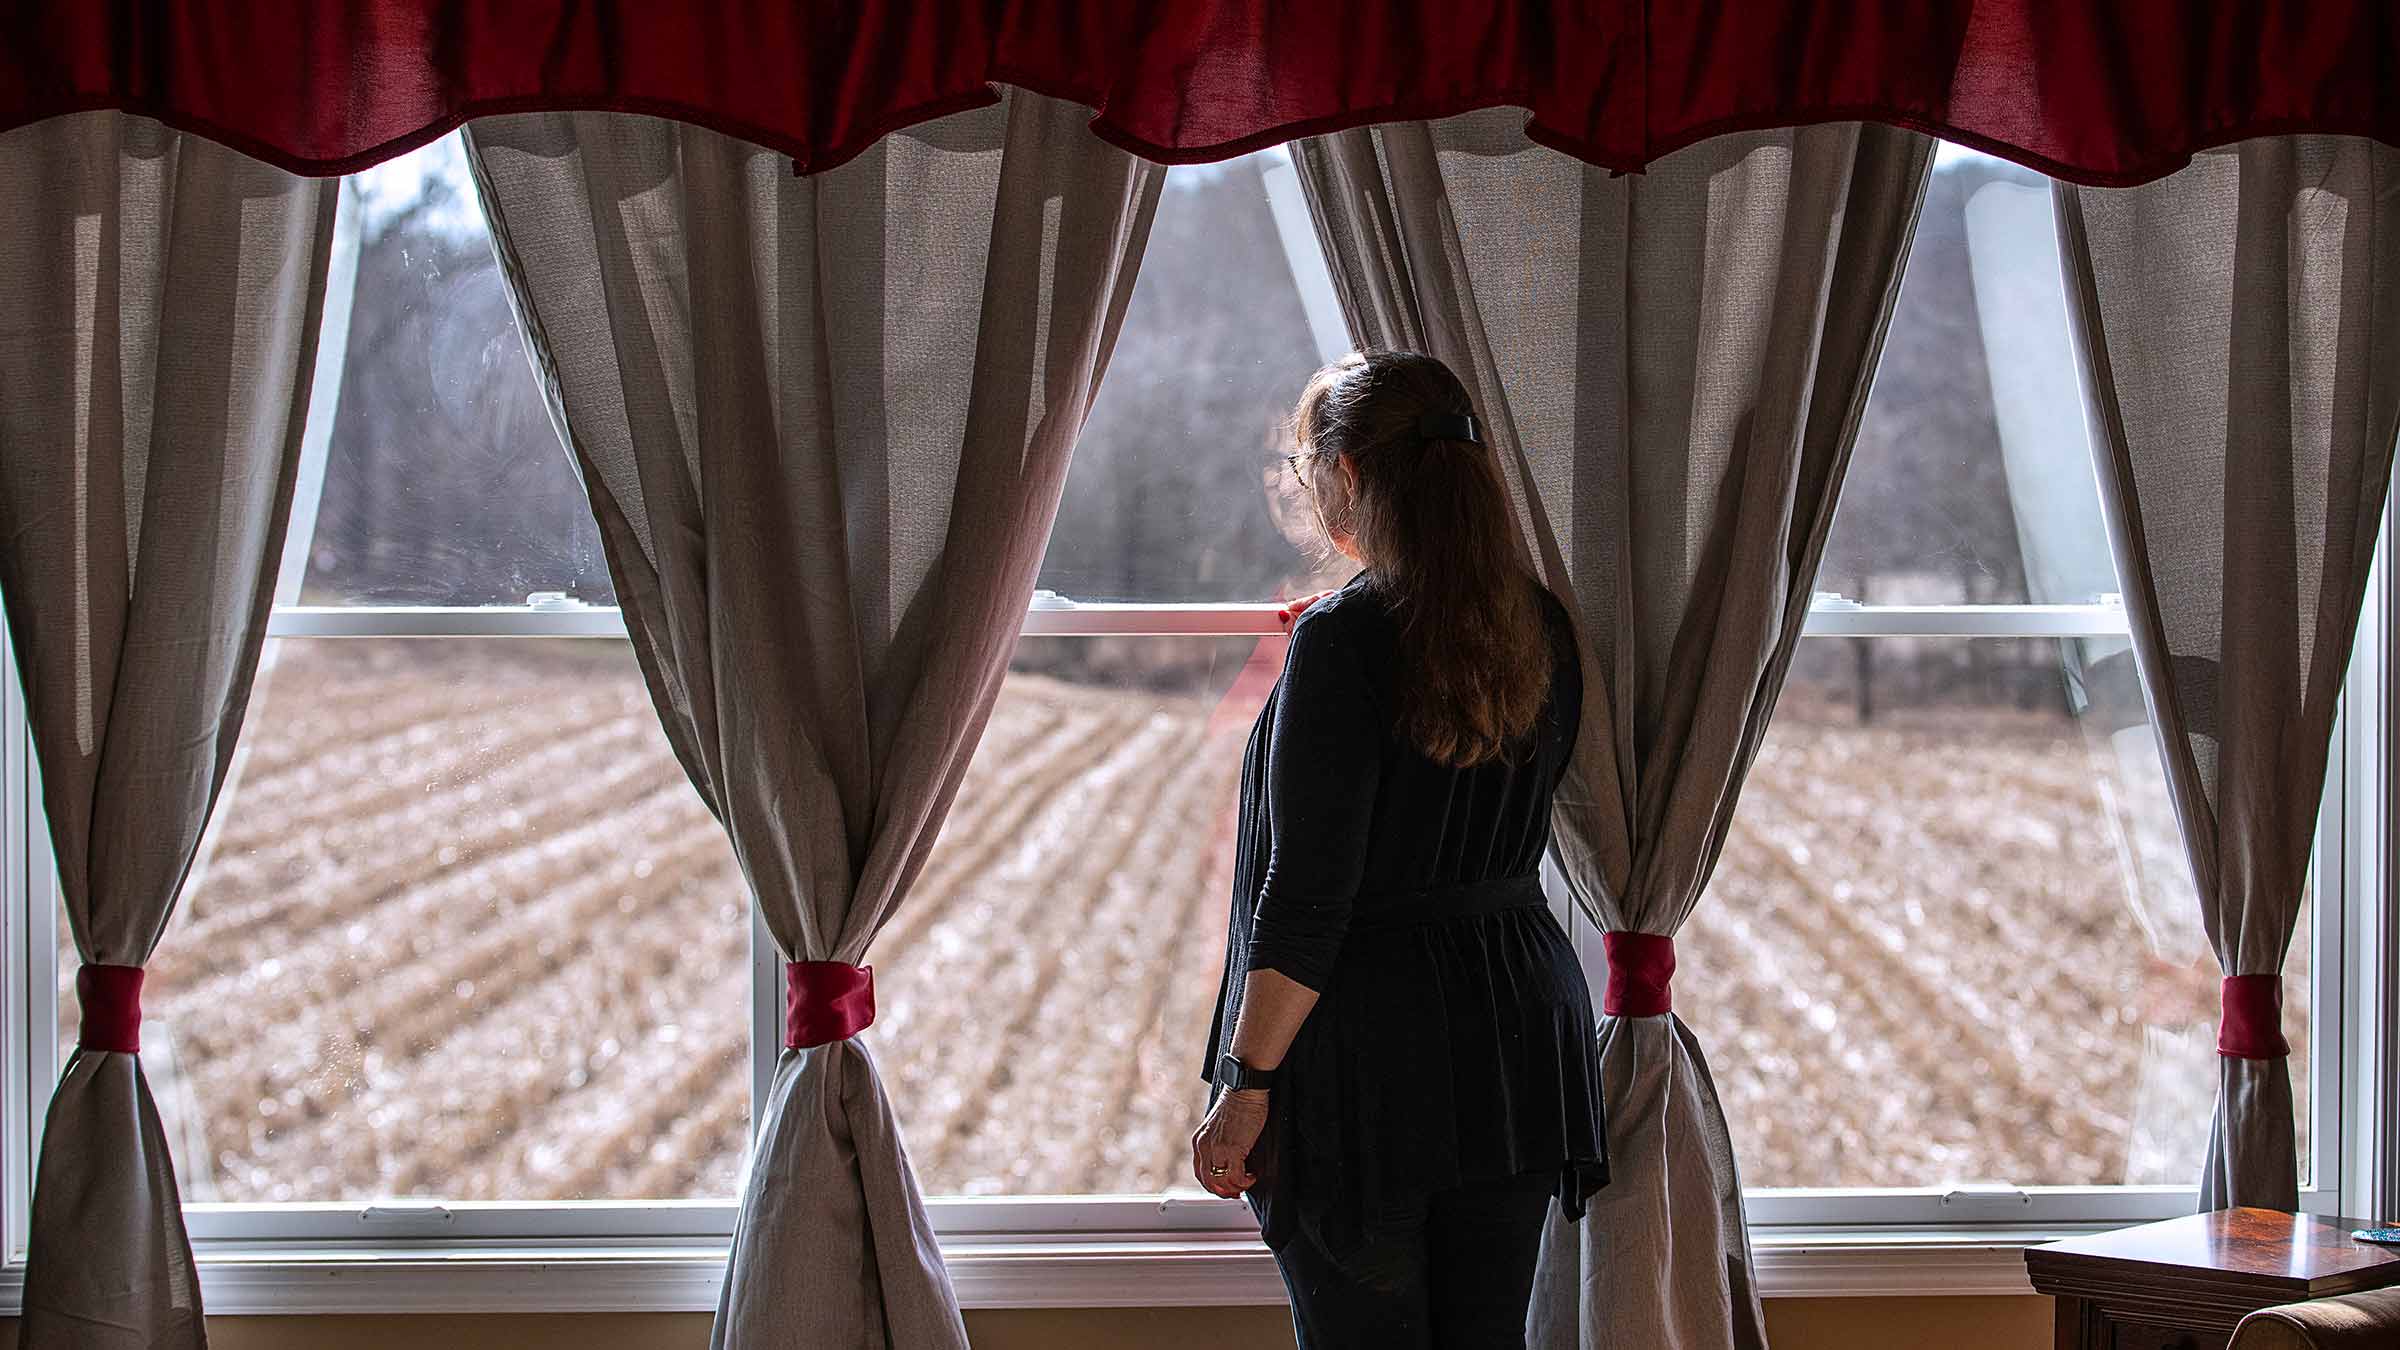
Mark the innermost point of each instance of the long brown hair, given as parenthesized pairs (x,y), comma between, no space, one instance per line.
(1431,524)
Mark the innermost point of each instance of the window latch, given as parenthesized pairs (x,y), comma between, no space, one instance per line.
(409,1214)
(1986,1198)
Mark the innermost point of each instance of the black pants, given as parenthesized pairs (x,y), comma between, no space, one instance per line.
(1453,1271)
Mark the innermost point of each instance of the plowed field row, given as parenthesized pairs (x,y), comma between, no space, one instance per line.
(462,929)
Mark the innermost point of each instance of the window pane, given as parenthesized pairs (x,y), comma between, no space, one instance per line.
(1971,481)
(1046,990)
(460,928)
(1952,936)
(444,483)
(1176,491)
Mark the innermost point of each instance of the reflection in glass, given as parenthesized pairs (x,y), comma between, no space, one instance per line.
(444,482)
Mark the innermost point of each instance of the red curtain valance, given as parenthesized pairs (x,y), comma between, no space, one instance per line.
(2098,93)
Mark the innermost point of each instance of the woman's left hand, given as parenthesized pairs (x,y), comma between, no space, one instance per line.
(1221,1146)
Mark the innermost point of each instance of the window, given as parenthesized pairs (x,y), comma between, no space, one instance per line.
(1950,939)
(455,961)
(459,928)
(1096,823)
(1951,946)
(455,953)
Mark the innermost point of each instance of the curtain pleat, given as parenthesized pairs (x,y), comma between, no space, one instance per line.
(156,346)
(1673,366)
(2240,328)
(824,423)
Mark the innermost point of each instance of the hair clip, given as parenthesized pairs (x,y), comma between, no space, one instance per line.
(1450,427)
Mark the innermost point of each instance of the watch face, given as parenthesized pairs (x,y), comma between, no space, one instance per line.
(1234,1075)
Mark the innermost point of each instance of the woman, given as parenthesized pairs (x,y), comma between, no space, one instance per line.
(1404,1055)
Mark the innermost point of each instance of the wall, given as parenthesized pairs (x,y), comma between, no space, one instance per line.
(1794,1324)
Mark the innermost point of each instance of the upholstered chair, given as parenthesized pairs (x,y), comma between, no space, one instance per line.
(2368,1321)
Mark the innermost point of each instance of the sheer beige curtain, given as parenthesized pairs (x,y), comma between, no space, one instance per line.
(156,340)
(2240,324)
(1673,365)
(824,423)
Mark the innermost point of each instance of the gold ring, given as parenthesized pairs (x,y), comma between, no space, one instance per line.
(1217,1171)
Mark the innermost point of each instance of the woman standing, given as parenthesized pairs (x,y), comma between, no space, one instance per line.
(1404,1053)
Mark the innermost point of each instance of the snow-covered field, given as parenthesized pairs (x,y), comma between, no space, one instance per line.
(462,929)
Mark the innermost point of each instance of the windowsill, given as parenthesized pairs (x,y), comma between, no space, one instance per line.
(1168,1270)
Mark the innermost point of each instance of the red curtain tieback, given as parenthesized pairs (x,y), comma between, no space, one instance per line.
(1640,967)
(826,1001)
(111,997)
(2252,1024)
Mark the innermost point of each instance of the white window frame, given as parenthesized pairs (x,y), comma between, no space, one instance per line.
(1187,1248)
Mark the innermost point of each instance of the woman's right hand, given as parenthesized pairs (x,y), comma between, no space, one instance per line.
(1221,1146)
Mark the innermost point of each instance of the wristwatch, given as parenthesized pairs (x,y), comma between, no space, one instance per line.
(1235,1076)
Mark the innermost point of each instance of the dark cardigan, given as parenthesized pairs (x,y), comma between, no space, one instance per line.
(1453,1035)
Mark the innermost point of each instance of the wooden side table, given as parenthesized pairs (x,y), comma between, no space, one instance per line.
(2182,1284)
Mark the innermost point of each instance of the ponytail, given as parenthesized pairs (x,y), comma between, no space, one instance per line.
(1432,524)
